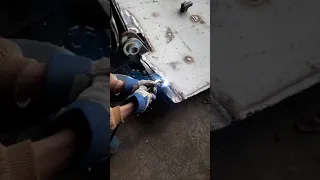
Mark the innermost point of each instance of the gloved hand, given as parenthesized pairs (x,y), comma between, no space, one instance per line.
(88,116)
(19,75)
(68,75)
(142,98)
(131,84)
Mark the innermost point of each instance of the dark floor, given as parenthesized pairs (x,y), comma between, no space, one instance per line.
(268,146)
(169,141)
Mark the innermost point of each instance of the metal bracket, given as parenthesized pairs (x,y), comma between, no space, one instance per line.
(133,46)
(185,6)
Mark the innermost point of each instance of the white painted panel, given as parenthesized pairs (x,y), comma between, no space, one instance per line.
(263,53)
(175,37)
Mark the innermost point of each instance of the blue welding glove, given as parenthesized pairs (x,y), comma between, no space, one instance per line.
(142,98)
(130,84)
(68,75)
(89,118)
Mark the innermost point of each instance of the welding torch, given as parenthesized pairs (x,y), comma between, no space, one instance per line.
(155,76)
(161,82)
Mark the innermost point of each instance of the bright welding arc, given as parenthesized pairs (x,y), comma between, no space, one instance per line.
(162,82)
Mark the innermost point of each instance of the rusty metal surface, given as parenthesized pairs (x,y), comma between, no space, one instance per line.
(264,52)
(180,42)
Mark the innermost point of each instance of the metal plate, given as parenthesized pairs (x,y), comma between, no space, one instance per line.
(264,51)
(180,42)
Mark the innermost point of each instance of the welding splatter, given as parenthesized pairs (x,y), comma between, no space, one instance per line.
(188,59)
(196,19)
(174,65)
(155,14)
(169,35)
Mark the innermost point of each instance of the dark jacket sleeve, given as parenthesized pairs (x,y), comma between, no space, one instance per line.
(89,118)
(62,77)
(91,123)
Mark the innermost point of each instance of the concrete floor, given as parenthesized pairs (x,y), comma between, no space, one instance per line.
(169,141)
(268,146)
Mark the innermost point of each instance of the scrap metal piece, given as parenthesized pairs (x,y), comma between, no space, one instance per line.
(185,6)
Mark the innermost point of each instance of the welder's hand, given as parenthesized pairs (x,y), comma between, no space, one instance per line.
(147,83)
(127,84)
(142,98)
